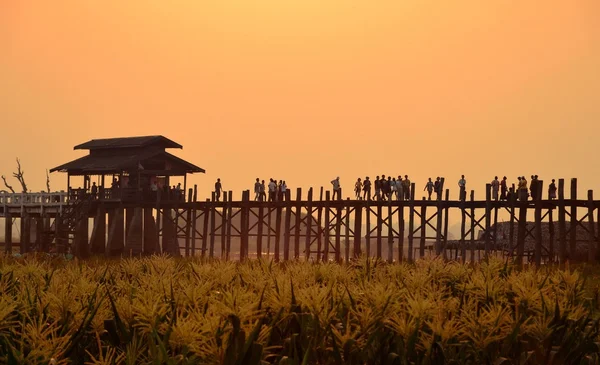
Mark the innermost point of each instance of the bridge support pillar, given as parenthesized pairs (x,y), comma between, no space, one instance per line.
(98,238)
(170,244)
(116,232)
(8,232)
(25,233)
(134,242)
(150,233)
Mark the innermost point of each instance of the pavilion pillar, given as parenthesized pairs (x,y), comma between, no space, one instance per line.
(134,242)
(8,223)
(98,238)
(169,238)
(151,245)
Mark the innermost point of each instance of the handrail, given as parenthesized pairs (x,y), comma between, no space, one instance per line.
(58,198)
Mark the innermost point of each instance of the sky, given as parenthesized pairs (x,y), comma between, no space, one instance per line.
(307,90)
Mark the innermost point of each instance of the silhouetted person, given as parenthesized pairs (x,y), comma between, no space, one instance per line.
(283,189)
(272,190)
(377,188)
(399,187)
(495,188)
(503,189)
(393,187)
(257,189)
(263,195)
(357,188)
(279,191)
(406,187)
(437,186)
(367,189)
(462,184)
(336,188)
(523,189)
(552,190)
(533,187)
(218,189)
(429,186)
(94,191)
(385,187)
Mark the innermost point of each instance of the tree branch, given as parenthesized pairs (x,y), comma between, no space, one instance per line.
(6,184)
(47,181)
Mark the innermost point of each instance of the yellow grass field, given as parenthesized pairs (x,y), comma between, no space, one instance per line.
(160,310)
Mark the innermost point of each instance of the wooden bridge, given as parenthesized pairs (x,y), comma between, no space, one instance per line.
(305,227)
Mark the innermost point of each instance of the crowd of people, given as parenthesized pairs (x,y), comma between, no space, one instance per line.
(387,188)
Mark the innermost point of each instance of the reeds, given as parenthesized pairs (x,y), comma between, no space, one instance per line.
(159,310)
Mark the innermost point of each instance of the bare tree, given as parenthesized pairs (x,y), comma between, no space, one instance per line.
(47,181)
(19,176)
(6,184)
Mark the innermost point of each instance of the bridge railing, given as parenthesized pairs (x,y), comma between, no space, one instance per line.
(58,198)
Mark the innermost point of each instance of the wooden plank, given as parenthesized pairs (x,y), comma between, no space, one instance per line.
(411,222)
(188,229)
(537,257)
(593,244)
(438,229)
(309,219)
(224,252)
(423,230)
(297,223)
(401,224)
(573,226)
(356,252)
(194,225)
(488,218)
(472,226)
(326,228)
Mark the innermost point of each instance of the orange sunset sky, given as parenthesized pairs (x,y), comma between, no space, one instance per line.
(306,90)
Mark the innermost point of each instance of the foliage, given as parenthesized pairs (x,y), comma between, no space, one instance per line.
(160,310)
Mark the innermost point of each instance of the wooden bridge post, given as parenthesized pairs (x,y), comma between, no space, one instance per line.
(574,222)
(593,244)
(463,234)
(151,245)
(440,211)
(297,223)
(326,230)
(495,230)
(423,228)
(488,218)
(390,255)
(511,227)
(356,252)
(259,234)
(287,234)
(134,242)
(472,226)
(320,227)
(206,217)
(229,224)
(551,253)
(39,232)
(400,224)
(379,228)
(116,231)
(309,219)
(277,230)
(521,231)
(538,223)
(411,223)
(447,198)
(368,228)
(338,226)
(8,224)
(213,208)
(25,240)
(245,220)
(194,224)
(347,232)
(226,199)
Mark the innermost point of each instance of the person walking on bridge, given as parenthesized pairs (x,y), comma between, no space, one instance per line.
(429,187)
(503,188)
(552,190)
(462,184)
(218,189)
(406,186)
(495,188)
(522,189)
(358,185)
(257,189)
(377,188)
(336,188)
(367,189)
